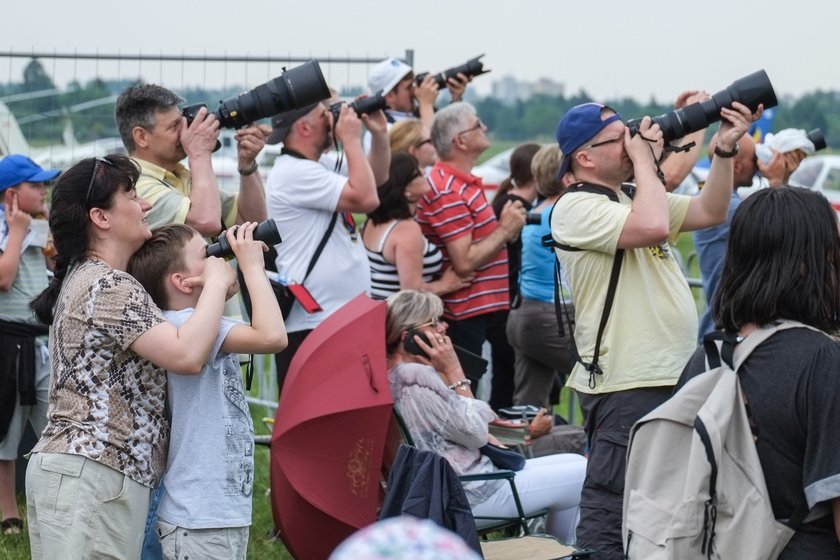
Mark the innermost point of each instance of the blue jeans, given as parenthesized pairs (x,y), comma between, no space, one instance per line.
(151,543)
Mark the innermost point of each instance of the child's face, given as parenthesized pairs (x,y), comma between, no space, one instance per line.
(31,197)
(195,255)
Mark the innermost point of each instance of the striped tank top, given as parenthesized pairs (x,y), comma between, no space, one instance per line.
(384,279)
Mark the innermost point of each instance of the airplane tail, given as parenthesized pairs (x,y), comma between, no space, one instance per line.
(12,140)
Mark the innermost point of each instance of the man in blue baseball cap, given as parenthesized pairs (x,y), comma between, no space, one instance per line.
(612,241)
(24,364)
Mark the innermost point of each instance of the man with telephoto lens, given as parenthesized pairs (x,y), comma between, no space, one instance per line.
(311,203)
(158,137)
(395,79)
(652,323)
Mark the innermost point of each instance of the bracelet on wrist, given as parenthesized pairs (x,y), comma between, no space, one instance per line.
(720,152)
(460,383)
(250,171)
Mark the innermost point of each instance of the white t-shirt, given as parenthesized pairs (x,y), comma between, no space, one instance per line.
(209,477)
(302,196)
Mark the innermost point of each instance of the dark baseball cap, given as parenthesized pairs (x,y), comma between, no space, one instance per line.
(281,123)
(578,126)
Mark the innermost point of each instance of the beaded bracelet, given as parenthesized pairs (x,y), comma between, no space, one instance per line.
(460,383)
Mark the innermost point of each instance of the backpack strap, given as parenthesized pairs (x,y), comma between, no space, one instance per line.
(548,241)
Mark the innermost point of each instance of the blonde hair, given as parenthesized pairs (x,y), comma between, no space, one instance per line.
(544,167)
(408,309)
(405,134)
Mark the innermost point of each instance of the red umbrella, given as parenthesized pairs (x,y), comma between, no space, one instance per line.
(329,432)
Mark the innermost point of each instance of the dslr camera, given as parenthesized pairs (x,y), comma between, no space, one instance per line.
(292,89)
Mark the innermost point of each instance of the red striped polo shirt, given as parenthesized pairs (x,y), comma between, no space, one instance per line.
(454,207)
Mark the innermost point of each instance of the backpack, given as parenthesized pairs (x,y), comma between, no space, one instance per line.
(694,486)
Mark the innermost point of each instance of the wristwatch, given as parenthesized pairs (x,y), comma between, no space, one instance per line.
(730,154)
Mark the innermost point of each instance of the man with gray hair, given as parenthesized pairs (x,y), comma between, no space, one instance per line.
(158,137)
(456,216)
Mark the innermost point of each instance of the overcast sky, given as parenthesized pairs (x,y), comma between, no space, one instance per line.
(610,48)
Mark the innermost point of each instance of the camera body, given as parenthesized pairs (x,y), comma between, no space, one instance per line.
(471,68)
(292,89)
(533,219)
(266,232)
(364,106)
(751,90)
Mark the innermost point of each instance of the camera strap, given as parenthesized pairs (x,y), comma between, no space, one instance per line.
(561,307)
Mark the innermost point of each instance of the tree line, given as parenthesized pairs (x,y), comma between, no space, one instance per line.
(87,107)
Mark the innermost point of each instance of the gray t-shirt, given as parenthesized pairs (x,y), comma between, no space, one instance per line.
(209,475)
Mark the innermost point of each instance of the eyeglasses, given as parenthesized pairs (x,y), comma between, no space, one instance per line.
(426,141)
(605,142)
(93,176)
(477,126)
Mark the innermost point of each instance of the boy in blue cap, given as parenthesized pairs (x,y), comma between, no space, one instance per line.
(24,361)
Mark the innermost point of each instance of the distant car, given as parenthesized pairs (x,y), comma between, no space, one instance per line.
(820,173)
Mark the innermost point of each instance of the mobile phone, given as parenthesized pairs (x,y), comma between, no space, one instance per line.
(412,347)
(304,298)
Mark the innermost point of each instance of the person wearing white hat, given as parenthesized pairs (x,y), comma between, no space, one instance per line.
(404,95)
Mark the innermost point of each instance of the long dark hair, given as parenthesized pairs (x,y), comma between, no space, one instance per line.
(393,205)
(782,262)
(520,167)
(75,193)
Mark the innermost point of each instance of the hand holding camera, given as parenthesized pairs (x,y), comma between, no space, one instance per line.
(736,120)
(348,126)
(512,218)
(647,145)
(199,137)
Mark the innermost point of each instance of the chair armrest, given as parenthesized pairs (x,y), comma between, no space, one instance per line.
(495,475)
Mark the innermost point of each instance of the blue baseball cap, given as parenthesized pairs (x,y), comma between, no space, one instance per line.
(16,169)
(577,127)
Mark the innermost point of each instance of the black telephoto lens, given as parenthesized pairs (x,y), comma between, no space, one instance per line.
(817,139)
(265,231)
(471,68)
(751,90)
(292,89)
(363,106)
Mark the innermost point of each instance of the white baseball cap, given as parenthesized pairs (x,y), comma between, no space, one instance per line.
(387,74)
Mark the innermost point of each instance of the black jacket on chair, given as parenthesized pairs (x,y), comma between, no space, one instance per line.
(423,484)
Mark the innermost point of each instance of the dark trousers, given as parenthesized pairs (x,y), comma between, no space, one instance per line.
(608,418)
(471,333)
(283,359)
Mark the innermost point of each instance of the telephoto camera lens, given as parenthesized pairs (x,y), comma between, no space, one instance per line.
(293,89)
(265,231)
(363,106)
(470,69)
(751,90)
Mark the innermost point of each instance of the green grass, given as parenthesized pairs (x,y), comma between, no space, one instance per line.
(260,545)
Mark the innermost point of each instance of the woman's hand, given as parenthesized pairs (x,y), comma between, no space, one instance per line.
(442,355)
(541,424)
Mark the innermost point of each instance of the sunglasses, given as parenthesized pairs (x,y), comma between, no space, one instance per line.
(93,175)
(422,142)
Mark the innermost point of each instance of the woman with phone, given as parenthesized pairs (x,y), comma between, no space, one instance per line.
(435,400)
